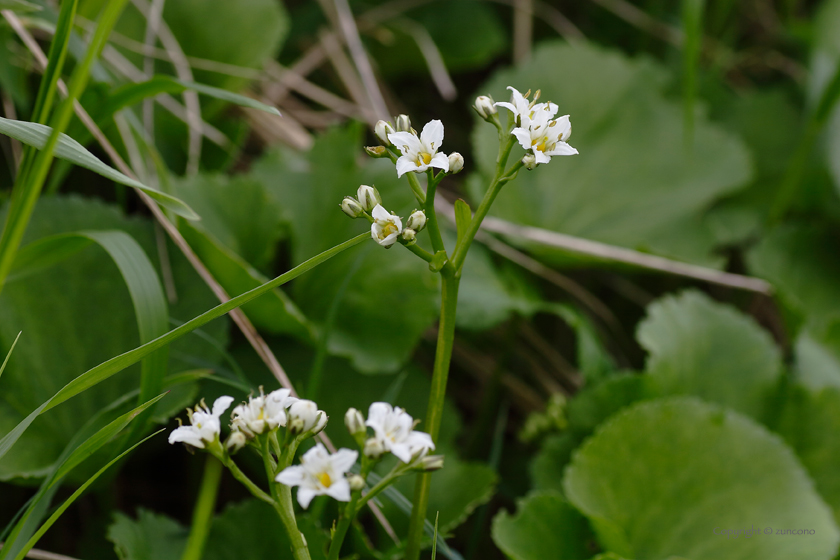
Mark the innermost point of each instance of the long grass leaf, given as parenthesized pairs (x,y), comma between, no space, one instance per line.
(69,501)
(118,363)
(9,353)
(37,135)
(692,24)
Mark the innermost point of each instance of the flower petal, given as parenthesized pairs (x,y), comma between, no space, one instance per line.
(377,413)
(305,495)
(432,134)
(541,157)
(523,136)
(292,476)
(441,161)
(405,141)
(404,165)
(380,214)
(221,404)
(339,490)
(507,106)
(343,459)
(402,451)
(562,149)
(186,434)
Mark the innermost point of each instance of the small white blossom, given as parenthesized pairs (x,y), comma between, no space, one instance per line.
(382,130)
(276,405)
(320,473)
(304,416)
(385,227)
(235,441)
(546,137)
(520,106)
(529,160)
(351,207)
(419,154)
(417,220)
(204,425)
(394,432)
(485,107)
(262,413)
(373,448)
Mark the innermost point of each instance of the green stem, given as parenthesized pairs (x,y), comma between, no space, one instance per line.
(343,524)
(31,183)
(255,490)
(431,215)
(415,186)
(383,483)
(499,180)
(440,374)
(420,252)
(204,507)
(286,511)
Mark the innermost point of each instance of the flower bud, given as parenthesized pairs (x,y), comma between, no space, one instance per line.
(321,423)
(235,441)
(382,130)
(408,236)
(351,207)
(376,151)
(303,416)
(356,482)
(485,107)
(403,123)
(355,422)
(368,197)
(430,463)
(373,448)
(529,161)
(456,162)
(417,220)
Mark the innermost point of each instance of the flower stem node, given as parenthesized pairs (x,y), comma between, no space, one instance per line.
(304,416)
(368,197)
(485,107)
(403,124)
(355,423)
(356,482)
(382,130)
(235,442)
(376,151)
(417,221)
(385,227)
(351,207)
(430,463)
(456,162)
(529,161)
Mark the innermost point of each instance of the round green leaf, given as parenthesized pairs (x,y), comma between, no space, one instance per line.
(667,477)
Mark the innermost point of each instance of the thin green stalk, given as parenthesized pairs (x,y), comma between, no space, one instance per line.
(343,525)
(204,508)
(420,252)
(440,374)
(255,490)
(32,182)
(415,186)
(499,181)
(431,215)
(286,511)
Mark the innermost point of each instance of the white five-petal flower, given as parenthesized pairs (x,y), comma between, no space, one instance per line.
(419,154)
(320,473)
(204,425)
(262,413)
(385,227)
(393,429)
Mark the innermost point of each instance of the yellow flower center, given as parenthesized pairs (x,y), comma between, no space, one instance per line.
(325,479)
(423,158)
(388,229)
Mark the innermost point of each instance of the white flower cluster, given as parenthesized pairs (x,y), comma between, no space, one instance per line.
(393,431)
(204,425)
(536,128)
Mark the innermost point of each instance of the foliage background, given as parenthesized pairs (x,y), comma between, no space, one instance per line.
(596,406)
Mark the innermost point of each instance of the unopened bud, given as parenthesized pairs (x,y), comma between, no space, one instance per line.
(417,220)
(376,151)
(529,161)
(368,197)
(356,482)
(321,423)
(355,422)
(408,236)
(373,449)
(303,416)
(403,123)
(485,107)
(382,130)
(351,207)
(456,162)
(430,463)
(235,442)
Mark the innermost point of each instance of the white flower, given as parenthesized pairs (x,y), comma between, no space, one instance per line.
(417,220)
(394,431)
(276,403)
(304,415)
(320,473)
(204,425)
(385,227)
(456,162)
(262,413)
(419,154)
(520,106)
(546,137)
